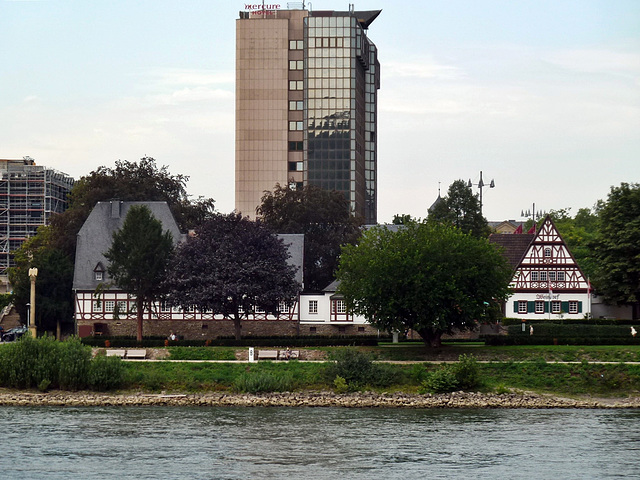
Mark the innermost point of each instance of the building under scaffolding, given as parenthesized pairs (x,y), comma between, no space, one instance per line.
(29,195)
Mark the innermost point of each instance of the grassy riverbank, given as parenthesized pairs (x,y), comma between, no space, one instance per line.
(510,369)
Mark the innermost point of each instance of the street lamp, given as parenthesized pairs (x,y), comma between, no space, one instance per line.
(532,213)
(33,273)
(480,186)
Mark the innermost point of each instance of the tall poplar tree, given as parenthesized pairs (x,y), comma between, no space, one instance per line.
(138,258)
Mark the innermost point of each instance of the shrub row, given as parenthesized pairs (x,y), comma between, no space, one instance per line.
(504,340)
(556,329)
(581,321)
(44,363)
(308,341)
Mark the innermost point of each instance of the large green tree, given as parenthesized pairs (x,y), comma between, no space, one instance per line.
(461,208)
(616,248)
(232,266)
(127,181)
(324,219)
(54,303)
(138,258)
(428,277)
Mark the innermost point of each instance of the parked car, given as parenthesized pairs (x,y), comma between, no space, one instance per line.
(14,333)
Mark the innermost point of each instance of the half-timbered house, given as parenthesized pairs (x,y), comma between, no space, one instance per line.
(547,282)
(102,308)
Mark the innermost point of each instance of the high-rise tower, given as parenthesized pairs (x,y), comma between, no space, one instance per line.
(306,105)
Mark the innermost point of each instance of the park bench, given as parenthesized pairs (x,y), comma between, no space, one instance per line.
(115,353)
(137,354)
(268,355)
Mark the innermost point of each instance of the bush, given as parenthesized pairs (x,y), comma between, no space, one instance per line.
(75,359)
(467,372)
(442,380)
(263,382)
(463,375)
(44,363)
(340,385)
(105,373)
(358,370)
(29,361)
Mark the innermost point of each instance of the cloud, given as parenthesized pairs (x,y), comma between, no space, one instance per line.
(595,61)
(427,68)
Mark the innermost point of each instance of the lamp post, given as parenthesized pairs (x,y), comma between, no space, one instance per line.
(33,273)
(480,186)
(532,213)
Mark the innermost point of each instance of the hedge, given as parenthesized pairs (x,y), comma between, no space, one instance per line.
(581,321)
(504,340)
(309,341)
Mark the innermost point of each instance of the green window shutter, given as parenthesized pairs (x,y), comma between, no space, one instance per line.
(565,307)
(546,307)
(531,306)
(579,307)
(515,306)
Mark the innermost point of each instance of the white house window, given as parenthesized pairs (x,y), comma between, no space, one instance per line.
(543,276)
(547,252)
(339,307)
(560,276)
(555,307)
(283,307)
(122,306)
(534,276)
(522,306)
(539,306)
(259,310)
(313,306)
(96,306)
(552,276)
(573,306)
(99,276)
(109,306)
(164,307)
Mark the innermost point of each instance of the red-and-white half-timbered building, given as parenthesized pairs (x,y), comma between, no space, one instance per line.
(101,308)
(547,282)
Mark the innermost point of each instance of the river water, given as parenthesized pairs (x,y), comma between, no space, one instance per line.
(317,443)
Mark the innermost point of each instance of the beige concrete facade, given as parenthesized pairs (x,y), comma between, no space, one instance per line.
(262,103)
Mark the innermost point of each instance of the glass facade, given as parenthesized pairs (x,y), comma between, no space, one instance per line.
(341,81)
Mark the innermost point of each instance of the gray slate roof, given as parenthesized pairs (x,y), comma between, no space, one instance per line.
(295,243)
(95,236)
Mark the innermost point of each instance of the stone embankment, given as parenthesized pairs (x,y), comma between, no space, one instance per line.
(314,399)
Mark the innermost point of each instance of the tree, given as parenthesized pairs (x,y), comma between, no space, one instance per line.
(138,258)
(428,277)
(232,266)
(461,208)
(54,300)
(324,219)
(616,248)
(578,232)
(128,181)
(401,219)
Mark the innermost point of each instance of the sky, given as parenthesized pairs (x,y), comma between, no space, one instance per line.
(542,96)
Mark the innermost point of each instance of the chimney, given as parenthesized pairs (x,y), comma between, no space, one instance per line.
(115,208)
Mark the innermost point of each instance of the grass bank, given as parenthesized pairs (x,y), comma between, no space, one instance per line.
(615,380)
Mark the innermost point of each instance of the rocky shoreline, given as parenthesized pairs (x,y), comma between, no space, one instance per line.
(314,399)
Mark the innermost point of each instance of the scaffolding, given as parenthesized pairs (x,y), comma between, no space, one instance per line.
(29,195)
